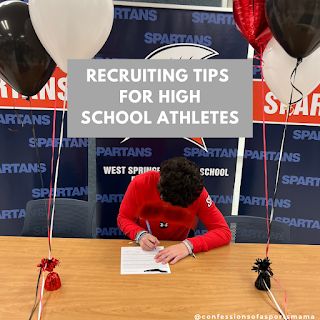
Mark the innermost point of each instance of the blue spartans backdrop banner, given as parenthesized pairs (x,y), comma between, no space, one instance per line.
(151,33)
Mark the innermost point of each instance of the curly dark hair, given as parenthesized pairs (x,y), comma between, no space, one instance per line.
(180,181)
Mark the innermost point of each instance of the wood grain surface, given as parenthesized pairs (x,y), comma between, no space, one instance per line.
(215,282)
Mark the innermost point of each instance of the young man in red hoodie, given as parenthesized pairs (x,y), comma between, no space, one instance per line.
(167,206)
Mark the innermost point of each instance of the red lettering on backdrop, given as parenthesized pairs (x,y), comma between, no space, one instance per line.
(53,91)
(306,111)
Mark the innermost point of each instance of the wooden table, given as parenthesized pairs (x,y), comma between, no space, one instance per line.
(216,282)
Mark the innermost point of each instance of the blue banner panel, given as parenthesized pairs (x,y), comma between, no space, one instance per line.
(136,34)
(296,201)
(139,31)
(143,32)
(118,161)
(20,167)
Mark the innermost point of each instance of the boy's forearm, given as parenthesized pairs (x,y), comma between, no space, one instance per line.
(128,227)
(210,240)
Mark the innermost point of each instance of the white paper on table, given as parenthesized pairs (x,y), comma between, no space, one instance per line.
(134,260)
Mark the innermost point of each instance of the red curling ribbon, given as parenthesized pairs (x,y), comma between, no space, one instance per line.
(48,264)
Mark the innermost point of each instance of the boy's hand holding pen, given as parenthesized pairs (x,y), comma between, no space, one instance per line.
(147,241)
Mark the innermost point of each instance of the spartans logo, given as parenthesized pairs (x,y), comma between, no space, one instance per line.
(184,51)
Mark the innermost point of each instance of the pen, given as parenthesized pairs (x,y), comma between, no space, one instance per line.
(148,226)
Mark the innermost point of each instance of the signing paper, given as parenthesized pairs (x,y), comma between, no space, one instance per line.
(134,260)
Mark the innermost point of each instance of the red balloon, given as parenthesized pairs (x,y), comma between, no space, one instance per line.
(250,18)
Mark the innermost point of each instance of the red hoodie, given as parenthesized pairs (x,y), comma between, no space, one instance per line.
(167,222)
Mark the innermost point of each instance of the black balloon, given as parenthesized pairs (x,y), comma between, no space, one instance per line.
(295,24)
(24,63)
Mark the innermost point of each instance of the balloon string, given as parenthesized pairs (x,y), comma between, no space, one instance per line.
(292,79)
(273,299)
(41,297)
(269,221)
(50,231)
(36,303)
(36,296)
(265,166)
(285,297)
(36,144)
(51,170)
(57,168)
(19,117)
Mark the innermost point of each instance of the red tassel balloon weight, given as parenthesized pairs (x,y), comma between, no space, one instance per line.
(52,282)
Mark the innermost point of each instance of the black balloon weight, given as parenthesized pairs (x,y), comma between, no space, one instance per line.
(264,273)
